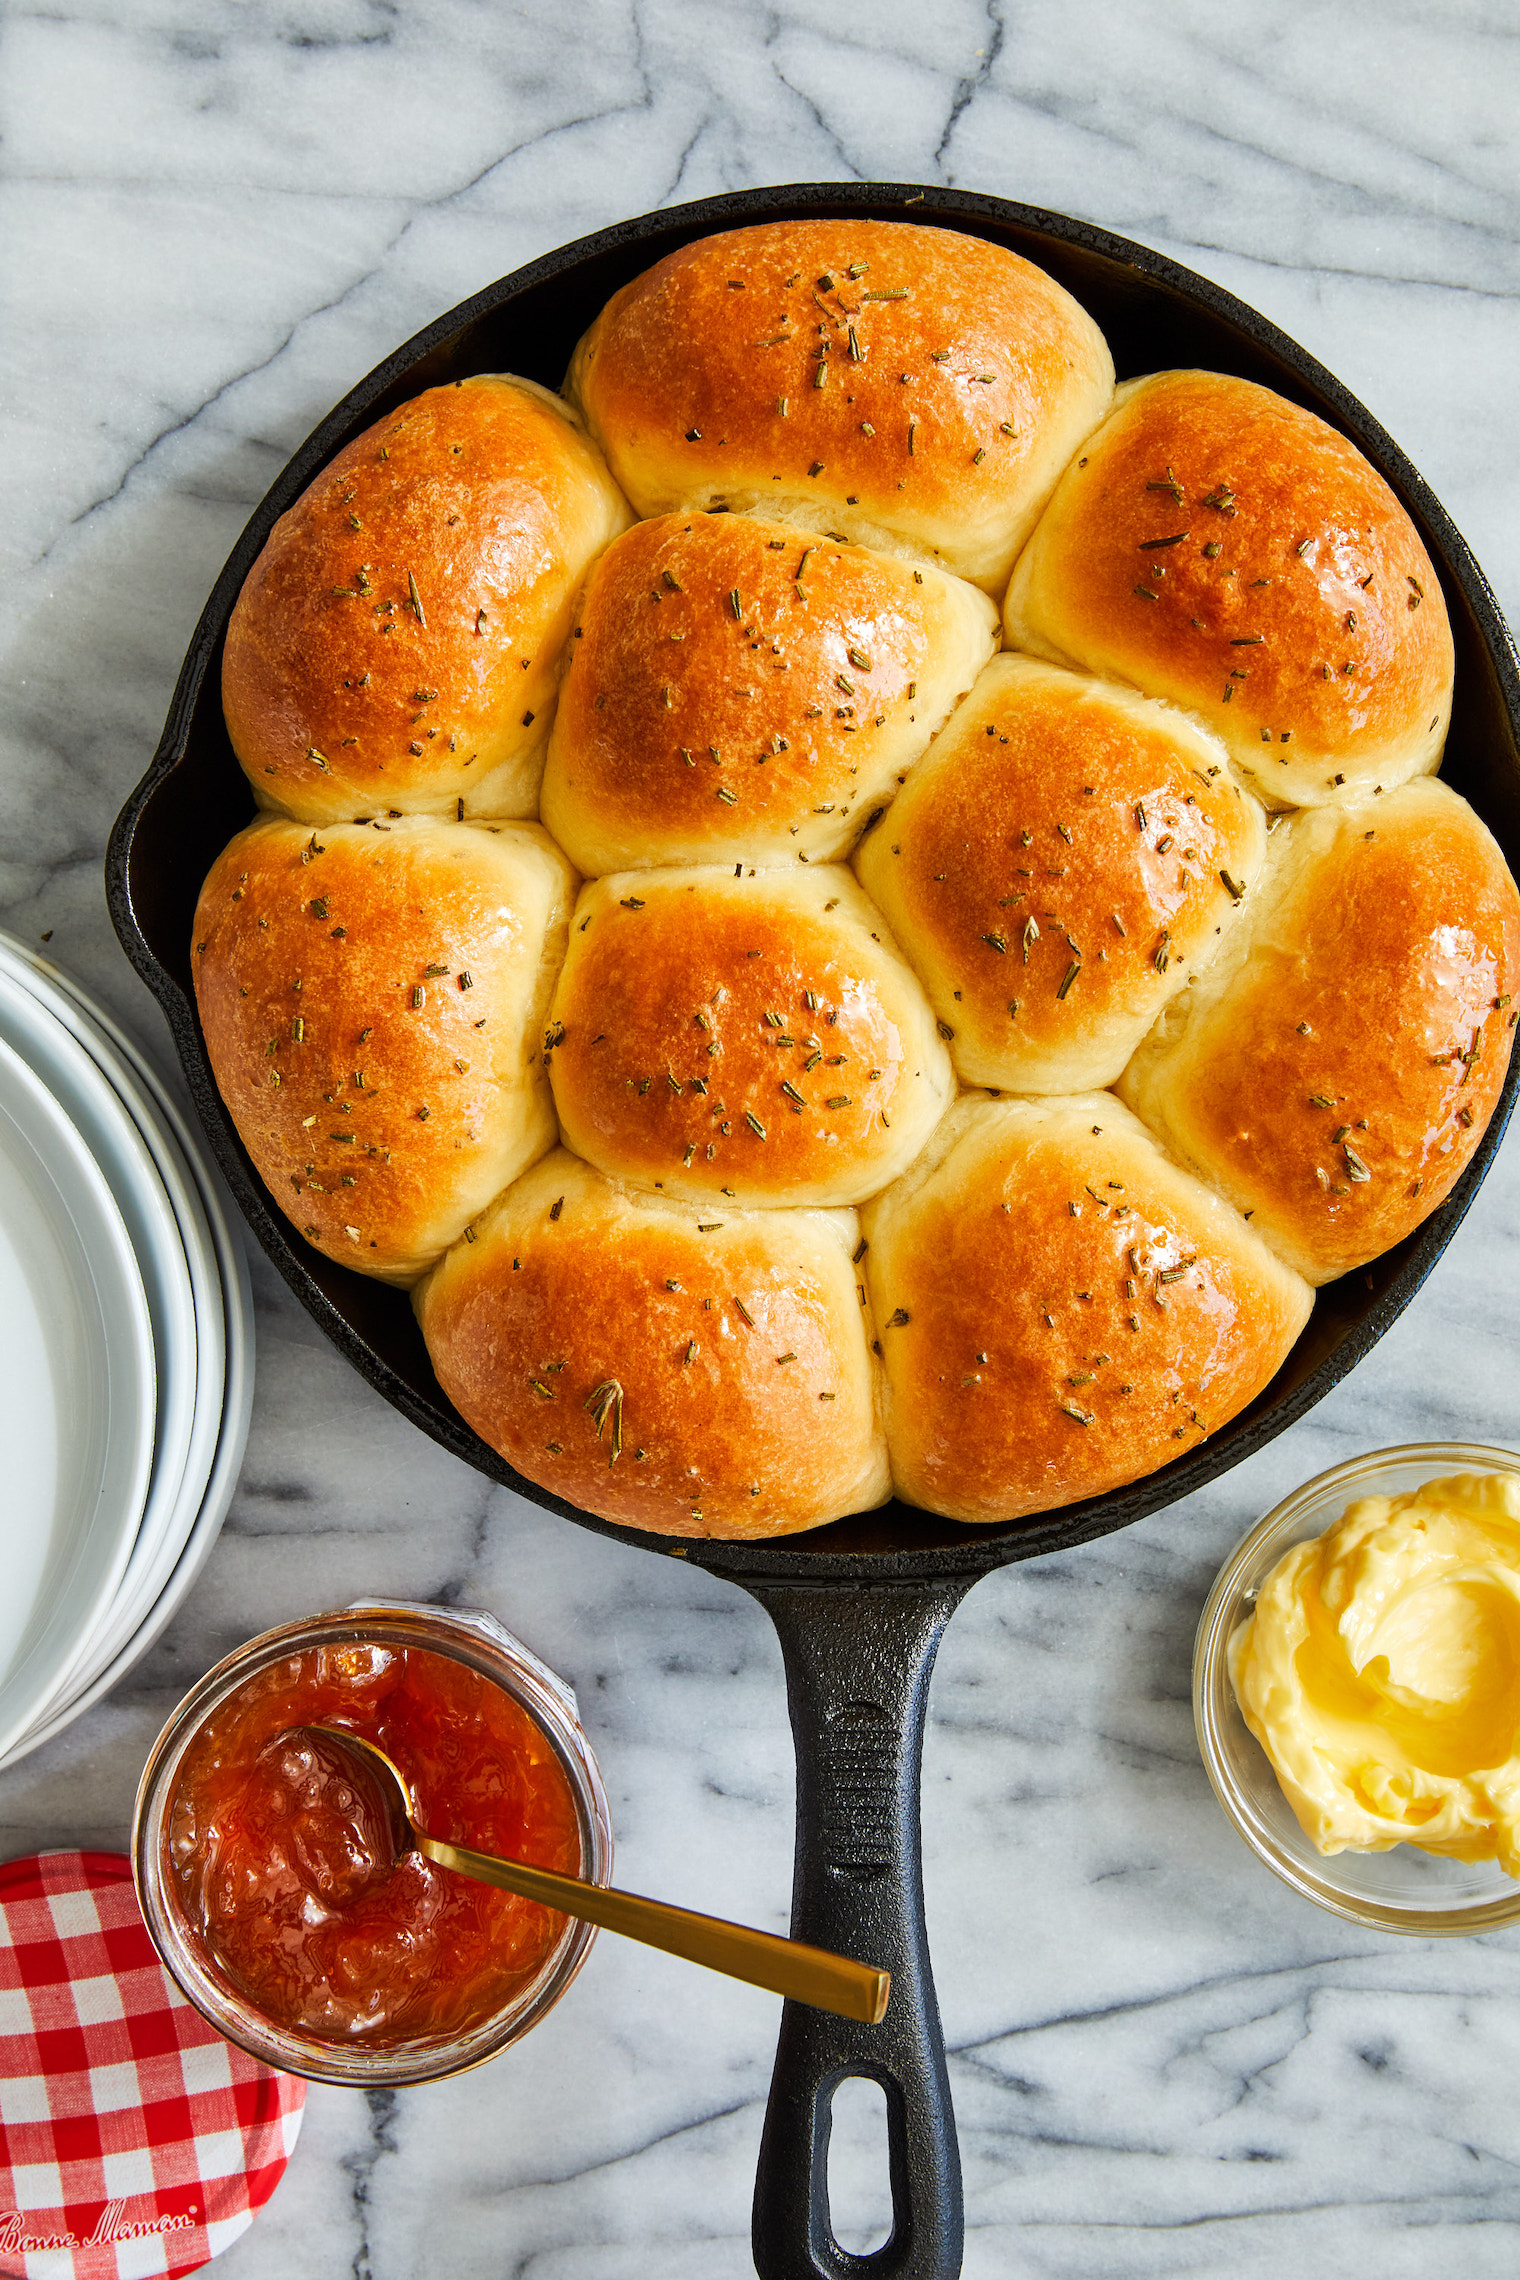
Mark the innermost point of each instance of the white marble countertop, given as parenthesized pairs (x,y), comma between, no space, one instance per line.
(217,214)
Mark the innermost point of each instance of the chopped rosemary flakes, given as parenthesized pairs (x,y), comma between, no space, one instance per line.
(606,1402)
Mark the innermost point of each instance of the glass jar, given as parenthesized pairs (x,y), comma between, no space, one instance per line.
(465,1636)
(1403,1889)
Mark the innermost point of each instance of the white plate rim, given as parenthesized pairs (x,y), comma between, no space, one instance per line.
(131,1387)
(198,1548)
(93,1104)
(148,1573)
(218,1240)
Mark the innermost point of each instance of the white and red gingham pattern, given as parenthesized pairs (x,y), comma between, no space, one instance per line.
(135,2141)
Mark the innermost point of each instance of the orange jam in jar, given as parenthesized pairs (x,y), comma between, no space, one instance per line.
(283,1869)
(269,1877)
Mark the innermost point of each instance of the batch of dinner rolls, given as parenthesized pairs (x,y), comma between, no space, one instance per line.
(852,908)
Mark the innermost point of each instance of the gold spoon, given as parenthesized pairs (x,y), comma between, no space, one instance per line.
(787,1967)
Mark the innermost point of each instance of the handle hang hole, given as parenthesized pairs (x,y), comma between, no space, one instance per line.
(859,2170)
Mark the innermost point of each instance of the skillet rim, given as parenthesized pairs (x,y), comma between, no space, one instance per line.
(1138,276)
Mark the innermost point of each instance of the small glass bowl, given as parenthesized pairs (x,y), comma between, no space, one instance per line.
(1404,1889)
(466,1636)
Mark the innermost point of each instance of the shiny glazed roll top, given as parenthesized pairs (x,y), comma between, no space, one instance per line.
(1061,1308)
(396,644)
(911,388)
(1218,546)
(1059,863)
(758,1039)
(743,688)
(1334,1071)
(696,1371)
(373,1001)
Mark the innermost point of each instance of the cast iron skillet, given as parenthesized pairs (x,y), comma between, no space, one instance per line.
(860,1605)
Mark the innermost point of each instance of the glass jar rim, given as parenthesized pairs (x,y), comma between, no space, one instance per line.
(482,1642)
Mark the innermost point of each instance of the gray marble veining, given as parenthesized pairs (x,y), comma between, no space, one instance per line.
(217,214)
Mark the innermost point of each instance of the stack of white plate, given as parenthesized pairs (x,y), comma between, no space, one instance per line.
(126,1353)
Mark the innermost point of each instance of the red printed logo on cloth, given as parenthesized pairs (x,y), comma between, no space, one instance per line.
(135,2141)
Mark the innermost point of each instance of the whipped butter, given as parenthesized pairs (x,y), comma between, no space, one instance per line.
(1380,1672)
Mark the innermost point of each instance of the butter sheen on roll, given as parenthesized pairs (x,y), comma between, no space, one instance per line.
(396,645)
(1061,861)
(914,389)
(1335,1069)
(373,1001)
(1218,546)
(759,1038)
(689,1370)
(743,688)
(1062,1309)
(774,1266)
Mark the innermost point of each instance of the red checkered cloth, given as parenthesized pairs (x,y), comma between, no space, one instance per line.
(134,2139)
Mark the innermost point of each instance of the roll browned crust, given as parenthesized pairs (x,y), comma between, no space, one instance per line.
(1064,858)
(1062,1309)
(759,1038)
(691,1371)
(1333,1072)
(396,645)
(846,429)
(743,688)
(1218,546)
(911,388)
(373,1001)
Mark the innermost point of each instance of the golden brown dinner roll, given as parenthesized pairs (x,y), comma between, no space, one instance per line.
(738,687)
(373,999)
(915,389)
(1219,546)
(697,1372)
(755,1037)
(396,644)
(1064,858)
(1061,1308)
(1334,1070)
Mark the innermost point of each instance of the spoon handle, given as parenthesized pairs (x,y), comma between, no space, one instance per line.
(787,1967)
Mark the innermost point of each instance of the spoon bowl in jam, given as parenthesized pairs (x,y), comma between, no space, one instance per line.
(367,1818)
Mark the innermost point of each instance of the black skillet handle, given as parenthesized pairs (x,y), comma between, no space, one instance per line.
(858,1664)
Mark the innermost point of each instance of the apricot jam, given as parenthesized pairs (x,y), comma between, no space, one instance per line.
(282,1871)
